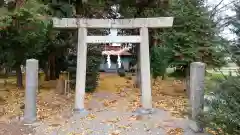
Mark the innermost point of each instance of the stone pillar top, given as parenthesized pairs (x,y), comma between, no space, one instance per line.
(32,60)
(198,63)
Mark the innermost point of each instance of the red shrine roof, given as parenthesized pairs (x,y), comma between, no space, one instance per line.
(116,49)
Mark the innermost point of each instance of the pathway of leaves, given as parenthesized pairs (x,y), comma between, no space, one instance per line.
(54,111)
(111,114)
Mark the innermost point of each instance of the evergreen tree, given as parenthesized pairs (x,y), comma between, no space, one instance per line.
(23,35)
(235,47)
(222,115)
(194,36)
(63,8)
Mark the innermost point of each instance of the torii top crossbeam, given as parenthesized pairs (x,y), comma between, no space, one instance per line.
(157,22)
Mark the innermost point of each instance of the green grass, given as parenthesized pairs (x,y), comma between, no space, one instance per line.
(215,76)
(212,81)
(3,11)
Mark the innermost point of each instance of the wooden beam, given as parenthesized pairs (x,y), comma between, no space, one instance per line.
(111,39)
(158,22)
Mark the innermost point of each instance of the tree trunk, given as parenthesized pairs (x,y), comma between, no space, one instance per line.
(58,67)
(163,77)
(187,81)
(60,86)
(19,77)
(138,71)
(46,72)
(8,70)
(79,7)
(19,3)
(4,71)
(52,66)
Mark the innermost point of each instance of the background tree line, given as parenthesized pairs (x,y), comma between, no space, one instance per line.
(26,31)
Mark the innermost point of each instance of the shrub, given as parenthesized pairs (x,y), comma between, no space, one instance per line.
(92,71)
(121,72)
(160,60)
(212,81)
(223,113)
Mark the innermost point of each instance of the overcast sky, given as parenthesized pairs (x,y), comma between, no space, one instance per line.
(226,11)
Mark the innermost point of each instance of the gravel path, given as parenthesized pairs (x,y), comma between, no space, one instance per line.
(102,120)
(110,122)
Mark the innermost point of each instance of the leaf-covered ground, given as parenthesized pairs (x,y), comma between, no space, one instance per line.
(115,95)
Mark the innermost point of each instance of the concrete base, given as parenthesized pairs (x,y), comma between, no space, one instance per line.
(28,121)
(195,127)
(143,111)
(82,112)
(79,114)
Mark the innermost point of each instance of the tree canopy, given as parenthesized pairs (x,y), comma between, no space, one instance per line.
(235,46)
(23,34)
(194,36)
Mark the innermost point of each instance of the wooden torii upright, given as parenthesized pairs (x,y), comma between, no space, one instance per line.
(83,39)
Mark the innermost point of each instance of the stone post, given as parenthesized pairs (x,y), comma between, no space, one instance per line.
(197,75)
(31,90)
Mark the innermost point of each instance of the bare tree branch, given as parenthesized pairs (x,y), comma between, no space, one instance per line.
(215,8)
(226,5)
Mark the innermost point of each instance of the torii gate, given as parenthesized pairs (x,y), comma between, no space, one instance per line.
(142,23)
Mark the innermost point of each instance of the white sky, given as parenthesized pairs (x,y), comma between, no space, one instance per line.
(226,11)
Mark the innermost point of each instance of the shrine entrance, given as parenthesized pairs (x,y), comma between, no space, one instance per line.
(83,39)
(115,56)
